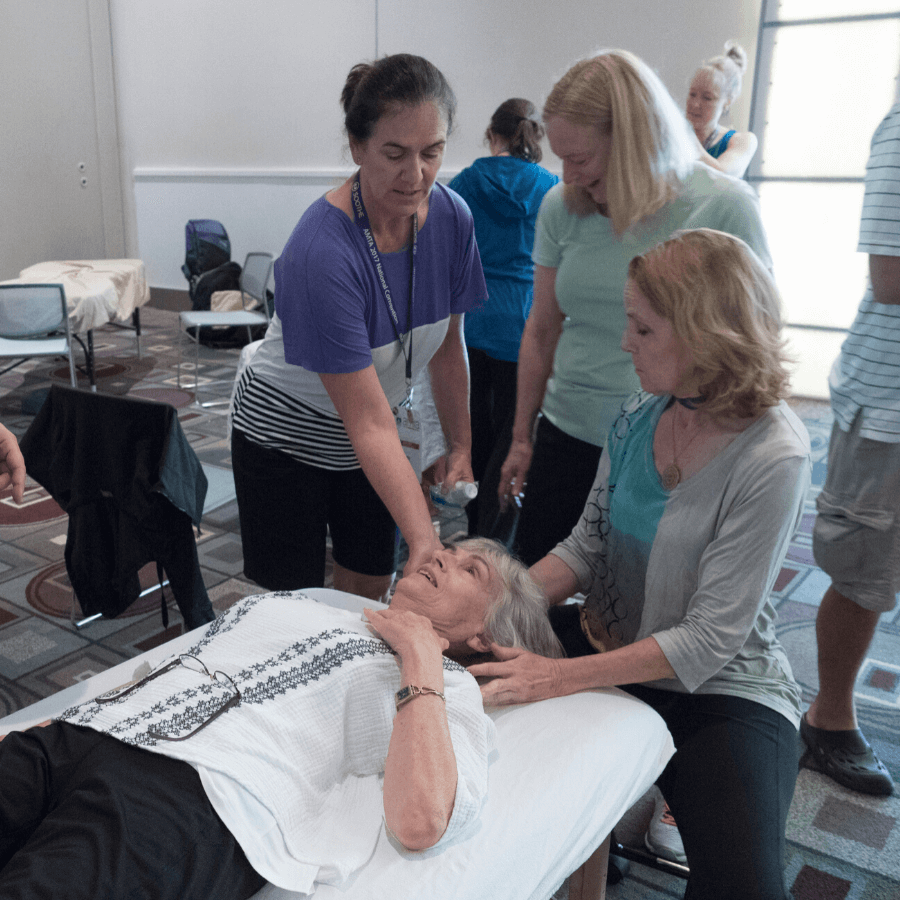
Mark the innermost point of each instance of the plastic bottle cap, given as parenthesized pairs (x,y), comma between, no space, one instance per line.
(469,488)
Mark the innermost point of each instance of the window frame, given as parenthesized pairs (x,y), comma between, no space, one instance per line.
(764,81)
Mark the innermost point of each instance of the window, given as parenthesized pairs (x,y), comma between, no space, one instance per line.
(826,74)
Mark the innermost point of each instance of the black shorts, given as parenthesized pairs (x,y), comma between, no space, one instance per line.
(287,508)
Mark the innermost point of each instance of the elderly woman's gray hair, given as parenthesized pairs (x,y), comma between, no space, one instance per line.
(517,617)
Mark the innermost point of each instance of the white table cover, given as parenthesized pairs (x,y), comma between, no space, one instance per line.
(97,290)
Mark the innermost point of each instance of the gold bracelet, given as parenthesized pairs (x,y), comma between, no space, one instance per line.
(404,695)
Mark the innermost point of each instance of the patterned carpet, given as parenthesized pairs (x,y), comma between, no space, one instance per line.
(40,651)
(842,846)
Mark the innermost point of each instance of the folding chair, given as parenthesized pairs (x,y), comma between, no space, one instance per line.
(34,321)
(255,278)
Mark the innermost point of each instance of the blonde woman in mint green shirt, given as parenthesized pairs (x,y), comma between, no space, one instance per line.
(631,180)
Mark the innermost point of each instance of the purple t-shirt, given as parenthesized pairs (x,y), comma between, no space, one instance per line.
(331,316)
(328,296)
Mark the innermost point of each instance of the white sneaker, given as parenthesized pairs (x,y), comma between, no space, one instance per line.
(662,837)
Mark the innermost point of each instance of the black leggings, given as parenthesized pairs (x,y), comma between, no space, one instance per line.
(563,469)
(729,784)
(83,815)
(492,407)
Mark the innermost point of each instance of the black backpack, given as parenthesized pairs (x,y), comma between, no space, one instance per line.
(207,258)
(208,268)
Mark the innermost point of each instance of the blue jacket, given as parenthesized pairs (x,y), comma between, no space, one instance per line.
(504,194)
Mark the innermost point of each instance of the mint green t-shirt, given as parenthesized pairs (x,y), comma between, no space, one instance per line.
(592,375)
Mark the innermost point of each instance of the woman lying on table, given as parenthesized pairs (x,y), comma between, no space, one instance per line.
(681,540)
(190,784)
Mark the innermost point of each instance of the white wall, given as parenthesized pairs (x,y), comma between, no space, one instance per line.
(230,110)
(60,185)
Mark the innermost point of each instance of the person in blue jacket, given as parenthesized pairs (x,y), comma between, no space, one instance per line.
(504,192)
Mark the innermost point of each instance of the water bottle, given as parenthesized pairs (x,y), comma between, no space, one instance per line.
(457,497)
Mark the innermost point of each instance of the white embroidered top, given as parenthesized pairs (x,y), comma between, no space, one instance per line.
(295,769)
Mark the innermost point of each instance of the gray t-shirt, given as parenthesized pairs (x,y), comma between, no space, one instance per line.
(701,586)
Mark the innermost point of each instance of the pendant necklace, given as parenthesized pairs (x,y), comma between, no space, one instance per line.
(671,476)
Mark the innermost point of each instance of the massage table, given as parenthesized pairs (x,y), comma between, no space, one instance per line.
(98,292)
(563,773)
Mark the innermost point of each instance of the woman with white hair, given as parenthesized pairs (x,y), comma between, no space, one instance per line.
(631,179)
(276,748)
(714,87)
(696,497)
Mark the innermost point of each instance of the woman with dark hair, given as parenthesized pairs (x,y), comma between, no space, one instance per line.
(371,288)
(631,179)
(698,492)
(504,192)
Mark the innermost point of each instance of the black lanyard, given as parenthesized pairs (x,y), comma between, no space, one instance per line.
(361,217)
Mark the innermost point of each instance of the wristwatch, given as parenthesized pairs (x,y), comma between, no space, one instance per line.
(404,695)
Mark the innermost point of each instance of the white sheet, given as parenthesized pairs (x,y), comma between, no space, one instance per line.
(97,290)
(565,772)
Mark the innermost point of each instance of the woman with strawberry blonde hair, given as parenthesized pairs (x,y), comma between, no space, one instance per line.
(698,492)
